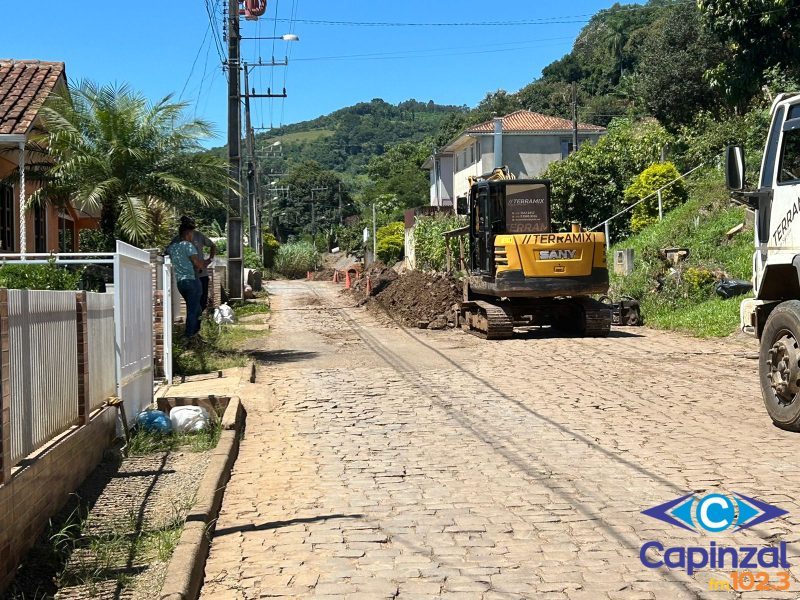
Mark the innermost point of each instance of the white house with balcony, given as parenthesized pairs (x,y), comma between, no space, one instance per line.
(524,141)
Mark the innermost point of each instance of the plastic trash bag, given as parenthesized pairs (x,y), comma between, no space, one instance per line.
(187,419)
(223,315)
(154,421)
(728,288)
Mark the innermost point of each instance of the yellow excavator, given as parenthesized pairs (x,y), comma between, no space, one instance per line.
(520,272)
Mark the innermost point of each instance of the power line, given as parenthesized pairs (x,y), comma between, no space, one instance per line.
(563,19)
(211,11)
(403,56)
(423,53)
(194,64)
(288,54)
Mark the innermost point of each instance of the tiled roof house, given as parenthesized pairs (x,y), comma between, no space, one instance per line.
(24,86)
(527,142)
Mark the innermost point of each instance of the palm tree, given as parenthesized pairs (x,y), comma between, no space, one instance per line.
(616,36)
(131,161)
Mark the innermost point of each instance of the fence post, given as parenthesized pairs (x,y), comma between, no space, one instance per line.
(82,317)
(608,236)
(158,333)
(660,208)
(5,390)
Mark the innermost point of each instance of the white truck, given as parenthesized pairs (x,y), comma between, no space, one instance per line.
(773,315)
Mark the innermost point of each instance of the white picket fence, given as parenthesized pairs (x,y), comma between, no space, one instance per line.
(43,350)
(102,351)
(44,368)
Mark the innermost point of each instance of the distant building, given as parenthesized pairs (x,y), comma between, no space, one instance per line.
(527,143)
(24,86)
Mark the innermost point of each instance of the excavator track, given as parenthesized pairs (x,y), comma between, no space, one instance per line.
(486,320)
(597,318)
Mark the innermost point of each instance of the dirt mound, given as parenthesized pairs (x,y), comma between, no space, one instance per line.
(415,298)
(323,275)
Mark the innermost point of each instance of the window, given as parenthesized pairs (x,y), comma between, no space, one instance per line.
(66,234)
(790,157)
(6,218)
(478,150)
(767,172)
(566,148)
(471,155)
(39,229)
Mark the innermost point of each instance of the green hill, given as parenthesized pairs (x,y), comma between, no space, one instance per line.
(345,140)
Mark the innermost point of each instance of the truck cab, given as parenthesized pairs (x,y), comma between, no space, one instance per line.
(773,315)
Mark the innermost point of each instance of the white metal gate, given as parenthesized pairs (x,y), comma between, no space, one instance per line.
(133,305)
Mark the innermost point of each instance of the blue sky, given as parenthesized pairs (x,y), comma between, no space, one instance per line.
(161,47)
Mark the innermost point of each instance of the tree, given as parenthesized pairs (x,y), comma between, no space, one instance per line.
(759,34)
(588,186)
(312,202)
(675,58)
(134,162)
(398,175)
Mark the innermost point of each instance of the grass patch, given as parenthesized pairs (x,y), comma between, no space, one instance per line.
(247,308)
(710,318)
(144,442)
(682,297)
(218,350)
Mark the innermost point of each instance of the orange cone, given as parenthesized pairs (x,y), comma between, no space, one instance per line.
(308,275)
(347,281)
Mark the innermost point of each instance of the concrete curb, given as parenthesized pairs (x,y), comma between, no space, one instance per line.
(186,568)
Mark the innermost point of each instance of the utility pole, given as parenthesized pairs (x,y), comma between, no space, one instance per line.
(235,263)
(574,117)
(374,236)
(313,212)
(341,221)
(255,238)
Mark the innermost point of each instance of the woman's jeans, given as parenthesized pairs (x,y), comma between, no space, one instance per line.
(191,290)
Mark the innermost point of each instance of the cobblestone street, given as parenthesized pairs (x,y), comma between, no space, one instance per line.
(381,462)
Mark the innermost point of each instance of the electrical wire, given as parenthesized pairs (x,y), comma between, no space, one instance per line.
(194,64)
(565,19)
(448,51)
(292,22)
(211,11)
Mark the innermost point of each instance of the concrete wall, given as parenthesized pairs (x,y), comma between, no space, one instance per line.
(42,484)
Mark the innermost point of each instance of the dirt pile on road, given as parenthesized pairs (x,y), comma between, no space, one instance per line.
(323,275)
(414,298)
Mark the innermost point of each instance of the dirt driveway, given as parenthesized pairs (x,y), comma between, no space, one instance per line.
(381,462)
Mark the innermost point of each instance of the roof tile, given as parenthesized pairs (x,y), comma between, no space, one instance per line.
(24,86)
(525,120)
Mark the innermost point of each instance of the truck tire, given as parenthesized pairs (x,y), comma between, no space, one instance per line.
(779,365)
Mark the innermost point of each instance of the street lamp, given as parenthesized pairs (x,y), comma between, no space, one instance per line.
(286,37)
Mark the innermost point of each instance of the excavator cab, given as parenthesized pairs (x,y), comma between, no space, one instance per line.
(504,207)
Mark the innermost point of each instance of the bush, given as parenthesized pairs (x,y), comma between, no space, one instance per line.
(94,240)
(707,138)
(39,277)
(429,243)
(296,259)
(252,260)
(350,238)
(391,242)
(271,245)
(651,179)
